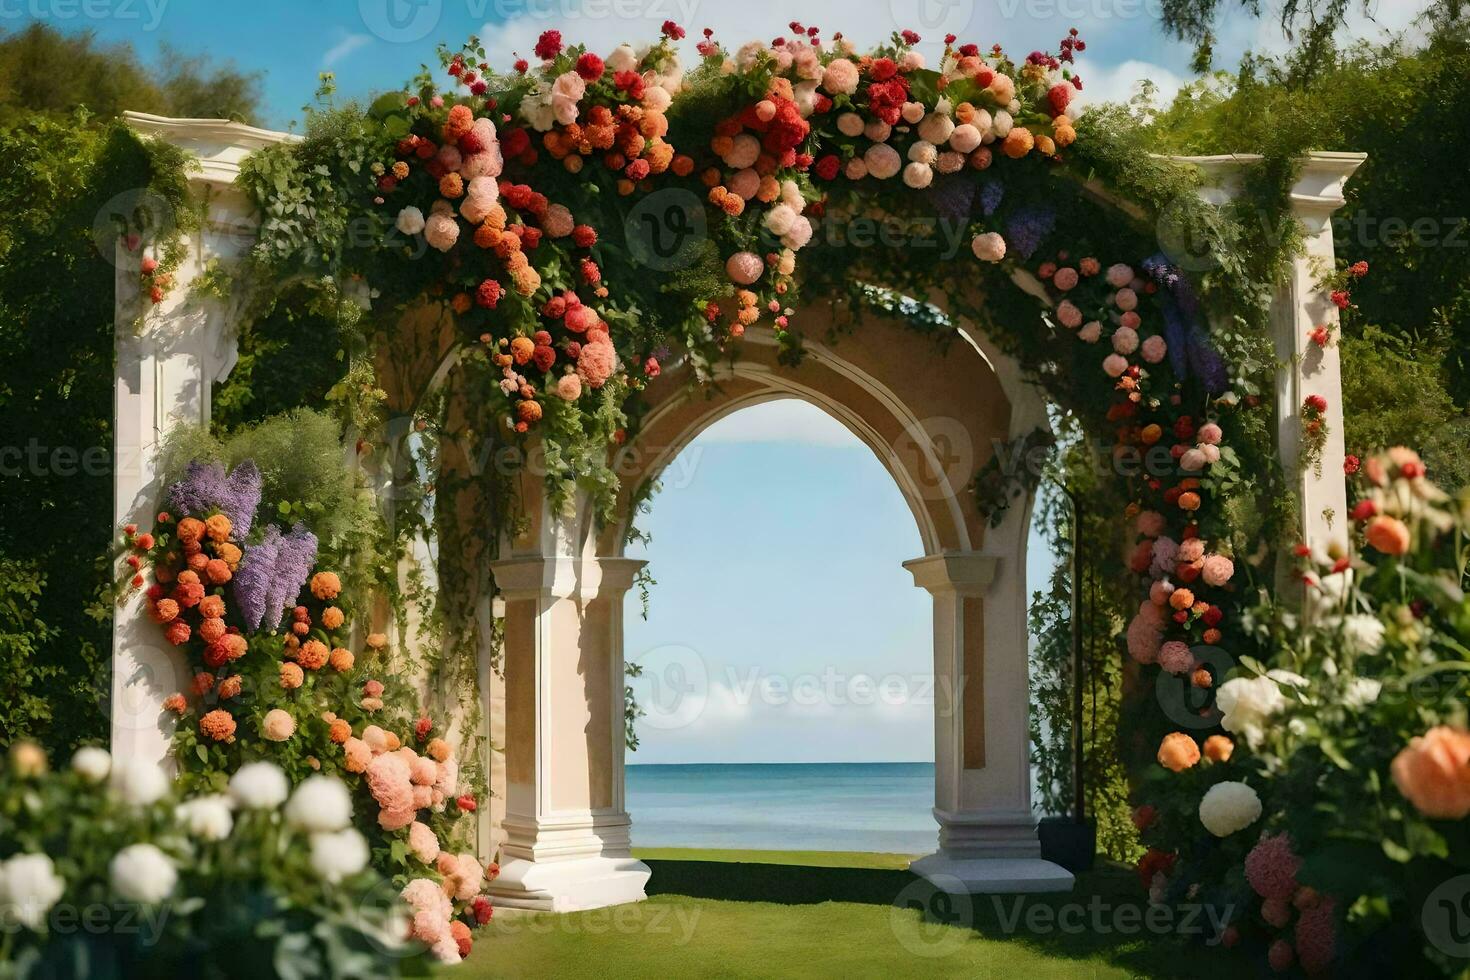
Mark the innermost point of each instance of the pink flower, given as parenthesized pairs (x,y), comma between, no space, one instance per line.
(1125,340)
(1210,433)
(1159,592)
(1065,278)
(989,247)
(1154,349)
(388,779)
(1191,550)
(1176,658)
(1125,299)
(441,230)
(744,268)
(1069,315)
(1145,633)
(569,387)
(1316,936)
(1150,523)
(566,92)
(1217,570)
(1090,333)
(1271,867)
(1114,365)
(422,842)
(841,77)
(1165,553)
(596,362)
(1119,275)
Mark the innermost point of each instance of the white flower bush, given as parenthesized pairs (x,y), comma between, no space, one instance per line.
(1228,807)
(207,817)
(259,786)
(338,854)
(320,804)
(137,782)
(29,887)
(142,873)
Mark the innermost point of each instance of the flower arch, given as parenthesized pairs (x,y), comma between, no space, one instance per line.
(530,264)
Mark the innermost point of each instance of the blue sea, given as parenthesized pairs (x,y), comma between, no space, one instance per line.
(883,807)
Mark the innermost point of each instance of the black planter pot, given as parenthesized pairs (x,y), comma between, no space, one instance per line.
(1066,842)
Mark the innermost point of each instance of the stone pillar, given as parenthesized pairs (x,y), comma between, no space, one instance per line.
(1298,306)
(566,826)
(168,357)
(1306,369)
(982,768)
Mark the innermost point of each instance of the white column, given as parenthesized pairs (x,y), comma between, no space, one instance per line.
(166,364)
(1298,306)
(1306,369)
(566,826)
(982,770)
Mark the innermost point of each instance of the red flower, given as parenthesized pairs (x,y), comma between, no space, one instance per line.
(886,99)
(1212,616)
(1320,336)
(630,82)
(548,45)
(651,368)
(1302,551)
(423,727)
(130,529)
(479,88)
(1340,298)
(1359,268)
(488,294)
(482,910)
(1058,96)
(909,37)
(144,542)
(585,236)
(1350,464)
(466,803)
(1154,862)
(673,31)
(1316,403)
(590,67)
(786,129)
(1143,816)
(828,166)
(521,66)
(883,69)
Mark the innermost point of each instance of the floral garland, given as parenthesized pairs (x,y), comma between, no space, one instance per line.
(269,639)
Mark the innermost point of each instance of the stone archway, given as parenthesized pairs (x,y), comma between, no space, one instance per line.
(567,829)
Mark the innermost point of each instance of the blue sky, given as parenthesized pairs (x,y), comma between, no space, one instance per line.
(372,45)
(778,538)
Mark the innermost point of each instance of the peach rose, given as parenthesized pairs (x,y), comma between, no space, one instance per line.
(1178,752)
(1218,748)
(1433,773)
(1388,534)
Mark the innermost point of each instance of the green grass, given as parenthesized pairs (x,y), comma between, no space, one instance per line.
(820,914)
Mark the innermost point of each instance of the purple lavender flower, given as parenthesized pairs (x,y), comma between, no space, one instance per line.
(952,196)
(991,194)
(205,488)
(271,575)
(1028,227)
(1190,349)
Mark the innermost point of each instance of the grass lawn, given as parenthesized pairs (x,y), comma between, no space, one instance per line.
(824,914)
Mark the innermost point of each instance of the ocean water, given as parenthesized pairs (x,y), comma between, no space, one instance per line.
(885,807)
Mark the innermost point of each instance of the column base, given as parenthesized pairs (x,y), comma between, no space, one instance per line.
(959,875)
(569,886)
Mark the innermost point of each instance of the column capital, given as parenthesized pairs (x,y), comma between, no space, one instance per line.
(964,573)
(545,577)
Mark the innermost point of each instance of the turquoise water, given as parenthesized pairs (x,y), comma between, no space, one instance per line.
(786,806)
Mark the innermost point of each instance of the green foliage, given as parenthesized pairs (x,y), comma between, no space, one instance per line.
(25,704)
(43,70)
(1394,394)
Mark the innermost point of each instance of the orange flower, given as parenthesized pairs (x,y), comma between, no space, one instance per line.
(1177,752)
(1018,142)
(342,660)
(332,617)
(235,645)
(1218,748)
(377,641)
(438,750)
(1189,501)
(203,683)
(175,703)
(340,731)
(313,655)
(326,585)
(218,725)
(191,529)
(1433,773)
(1388,534)
(218,528)
(229,687)
(291,676)
(451,185)
(212,607)
(212,629)
(1181,599)
(165,611)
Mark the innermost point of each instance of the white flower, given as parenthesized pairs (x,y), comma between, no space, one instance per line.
(207,817)
(1363,632)
(1361,692)
(93,763)
(142,873)
(1229,807)
(410,220)
(536,109)
(320,804)
(138,782)
(1247,703)
(29,886)
(338,854)
(623,58)
(259,786)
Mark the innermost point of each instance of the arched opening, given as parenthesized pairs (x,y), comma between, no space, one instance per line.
(804,721)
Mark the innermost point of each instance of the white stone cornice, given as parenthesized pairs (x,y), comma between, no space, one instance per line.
(966,573)
(219,145)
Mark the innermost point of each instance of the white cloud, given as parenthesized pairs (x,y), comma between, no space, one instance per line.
(1121,82)
(785,421)
(345,47)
